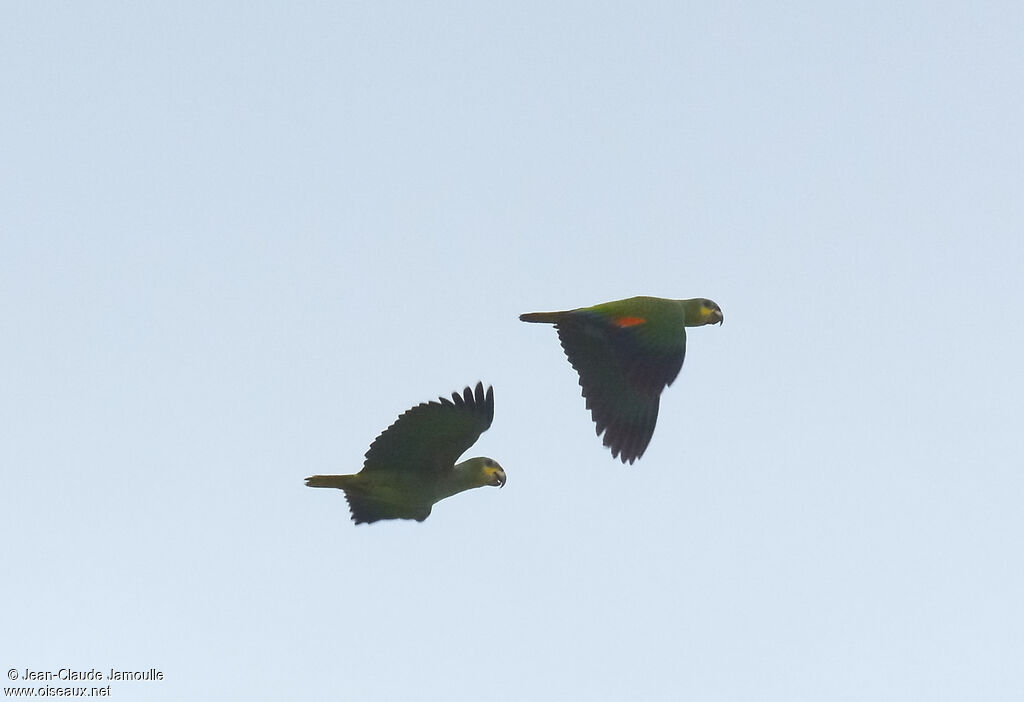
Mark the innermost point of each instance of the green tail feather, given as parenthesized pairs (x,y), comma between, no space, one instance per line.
(328,481)
(545,317)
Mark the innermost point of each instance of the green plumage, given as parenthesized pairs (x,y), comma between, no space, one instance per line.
(411,465)
(626,352)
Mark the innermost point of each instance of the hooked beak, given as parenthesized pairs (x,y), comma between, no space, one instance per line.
(718,316)
(499,478)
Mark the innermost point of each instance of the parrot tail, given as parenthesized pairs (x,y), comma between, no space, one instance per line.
(329,481)
(365,505)
(545,317)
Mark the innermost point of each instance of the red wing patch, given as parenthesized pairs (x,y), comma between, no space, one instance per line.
(629,321)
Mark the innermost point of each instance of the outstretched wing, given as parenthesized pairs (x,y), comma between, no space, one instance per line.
(432,435)
(622,375)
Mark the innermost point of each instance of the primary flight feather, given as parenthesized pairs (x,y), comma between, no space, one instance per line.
(411,465)
(626,352)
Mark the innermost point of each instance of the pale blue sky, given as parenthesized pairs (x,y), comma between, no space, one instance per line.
(239,239)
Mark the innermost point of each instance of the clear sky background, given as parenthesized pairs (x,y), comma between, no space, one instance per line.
(239,239)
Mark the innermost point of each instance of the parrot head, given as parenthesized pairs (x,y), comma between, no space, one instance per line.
(710,312)
(493,473)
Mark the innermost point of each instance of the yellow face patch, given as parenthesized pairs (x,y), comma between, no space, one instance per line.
(495,475)
(710,312)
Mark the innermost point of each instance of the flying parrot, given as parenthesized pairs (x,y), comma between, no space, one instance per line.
(411,465)
(626,352)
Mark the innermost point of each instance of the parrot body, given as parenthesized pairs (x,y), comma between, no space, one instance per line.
(411,465)
(626,352)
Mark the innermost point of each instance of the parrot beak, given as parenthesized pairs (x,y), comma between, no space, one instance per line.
(710,313)
(496,474)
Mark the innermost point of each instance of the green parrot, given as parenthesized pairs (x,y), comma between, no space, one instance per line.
(626,352)
(411,465)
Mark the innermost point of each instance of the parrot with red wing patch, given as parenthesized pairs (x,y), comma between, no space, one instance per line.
(626,352)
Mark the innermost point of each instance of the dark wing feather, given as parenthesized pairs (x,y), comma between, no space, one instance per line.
(366,509)
(432,435)
(622,377)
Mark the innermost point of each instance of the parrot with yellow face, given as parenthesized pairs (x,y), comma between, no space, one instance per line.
(411,465)
(626,352)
